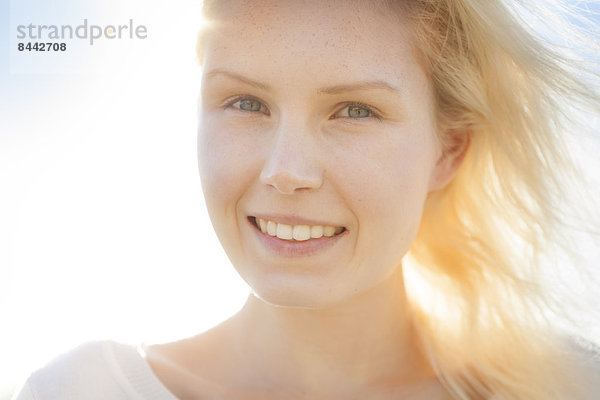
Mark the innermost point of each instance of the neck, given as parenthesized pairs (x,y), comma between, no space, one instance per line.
(368,340)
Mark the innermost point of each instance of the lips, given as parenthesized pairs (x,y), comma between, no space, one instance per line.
(281,242)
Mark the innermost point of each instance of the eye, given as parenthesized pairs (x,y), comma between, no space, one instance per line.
(249,104)
(356,111)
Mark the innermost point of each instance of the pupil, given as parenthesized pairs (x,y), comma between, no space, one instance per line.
(358,112)
(250,105)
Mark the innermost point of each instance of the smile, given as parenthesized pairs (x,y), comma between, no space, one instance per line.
(295,233)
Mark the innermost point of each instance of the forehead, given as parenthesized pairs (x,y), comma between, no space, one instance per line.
(231,8)
(313,36)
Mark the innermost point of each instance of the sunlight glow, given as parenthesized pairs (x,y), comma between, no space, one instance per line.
(101,206)
(103,226)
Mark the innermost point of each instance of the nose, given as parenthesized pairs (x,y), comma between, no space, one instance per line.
(292,163)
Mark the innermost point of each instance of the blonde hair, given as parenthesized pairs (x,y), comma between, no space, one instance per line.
(483,238)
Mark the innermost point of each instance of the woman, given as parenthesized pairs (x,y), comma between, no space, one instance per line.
(350,151)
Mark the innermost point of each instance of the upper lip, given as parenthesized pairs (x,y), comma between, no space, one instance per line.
(288,219)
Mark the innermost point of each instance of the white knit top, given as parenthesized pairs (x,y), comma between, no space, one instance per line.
(96,371)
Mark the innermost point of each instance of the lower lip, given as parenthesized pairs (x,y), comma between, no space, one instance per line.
(303,248)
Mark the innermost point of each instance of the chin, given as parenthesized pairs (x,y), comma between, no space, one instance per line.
(294,297)
(287,302)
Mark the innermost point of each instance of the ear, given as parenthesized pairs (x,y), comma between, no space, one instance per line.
(450,159)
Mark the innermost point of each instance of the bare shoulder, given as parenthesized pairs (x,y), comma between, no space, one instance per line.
(184,366)
(183,369)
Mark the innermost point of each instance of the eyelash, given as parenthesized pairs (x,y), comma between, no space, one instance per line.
(372,112)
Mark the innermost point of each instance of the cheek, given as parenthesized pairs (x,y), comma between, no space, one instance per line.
(386,182)
(227,164)
(227,168)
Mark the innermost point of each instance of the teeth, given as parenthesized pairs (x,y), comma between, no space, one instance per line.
(328,231)
(297,232)
(301,232)
(285,231)
(262,224)
(316,231)
(272,228)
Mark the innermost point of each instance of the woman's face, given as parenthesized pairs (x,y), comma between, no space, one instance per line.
(316,117)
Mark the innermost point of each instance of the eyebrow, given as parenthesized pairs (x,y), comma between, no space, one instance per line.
(238,77)
(359,86)
(332,90)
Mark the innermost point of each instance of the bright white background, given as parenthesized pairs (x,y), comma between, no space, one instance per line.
(103,230)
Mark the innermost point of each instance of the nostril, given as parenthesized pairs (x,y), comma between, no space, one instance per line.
(287,185)
(289,177)
(284,183)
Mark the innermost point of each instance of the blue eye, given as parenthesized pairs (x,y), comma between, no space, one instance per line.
(250,105)
(356,111)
